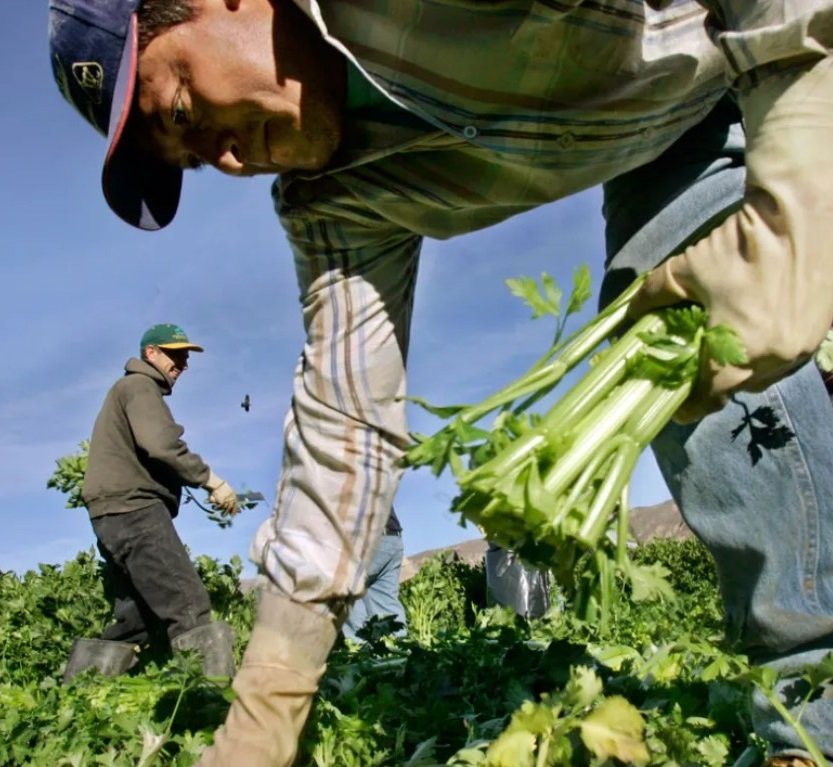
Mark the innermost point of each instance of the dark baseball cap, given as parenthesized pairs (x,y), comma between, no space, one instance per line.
(94,45)
(167,336)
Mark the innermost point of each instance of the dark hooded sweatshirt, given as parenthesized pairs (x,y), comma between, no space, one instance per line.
(137,455)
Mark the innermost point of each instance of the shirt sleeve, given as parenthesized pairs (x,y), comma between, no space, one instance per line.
(159,436)
(756,37)
(356,273)
(345,429)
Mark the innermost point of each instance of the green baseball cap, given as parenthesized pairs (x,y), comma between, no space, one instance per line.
(167,336)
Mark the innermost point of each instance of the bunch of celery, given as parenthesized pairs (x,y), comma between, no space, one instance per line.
(552,486)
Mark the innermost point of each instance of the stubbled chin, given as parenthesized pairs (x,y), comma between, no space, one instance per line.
(313,154)
(311,160)
(277,168)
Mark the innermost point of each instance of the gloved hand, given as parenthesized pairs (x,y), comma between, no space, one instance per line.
(221,494)
(767,271)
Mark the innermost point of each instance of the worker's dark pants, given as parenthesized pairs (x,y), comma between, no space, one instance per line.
(149,578)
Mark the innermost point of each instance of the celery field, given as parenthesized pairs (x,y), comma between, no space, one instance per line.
(629,667)
(472,684)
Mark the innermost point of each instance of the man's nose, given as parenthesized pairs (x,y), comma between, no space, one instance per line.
(229,159)
(220,151)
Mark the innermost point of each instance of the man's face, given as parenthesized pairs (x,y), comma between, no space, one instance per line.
(245,86)
(171,362)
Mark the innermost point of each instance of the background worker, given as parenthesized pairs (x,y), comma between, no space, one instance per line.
(391,122)
(137,466)
(381,597)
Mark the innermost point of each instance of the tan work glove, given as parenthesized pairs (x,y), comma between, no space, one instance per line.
(767,271)
(221,494)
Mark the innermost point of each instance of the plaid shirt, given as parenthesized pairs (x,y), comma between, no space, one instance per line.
(515,103)
(460,114)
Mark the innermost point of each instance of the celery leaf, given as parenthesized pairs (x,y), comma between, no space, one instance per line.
(724,346)
(542,302)
(614,730)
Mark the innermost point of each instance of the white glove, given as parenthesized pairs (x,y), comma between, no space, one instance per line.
(767,271)
(221,494)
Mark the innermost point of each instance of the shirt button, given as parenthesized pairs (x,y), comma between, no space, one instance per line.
(648,133)
(566,140)
(470,131)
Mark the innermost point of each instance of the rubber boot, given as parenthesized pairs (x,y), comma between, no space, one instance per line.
(108,657)
(283,663)
(215,644)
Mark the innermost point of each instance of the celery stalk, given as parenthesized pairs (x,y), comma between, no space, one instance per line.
(551,486)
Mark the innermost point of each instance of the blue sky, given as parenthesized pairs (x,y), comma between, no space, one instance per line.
(80,287)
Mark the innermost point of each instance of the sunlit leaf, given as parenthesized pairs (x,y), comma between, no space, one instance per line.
(614,730)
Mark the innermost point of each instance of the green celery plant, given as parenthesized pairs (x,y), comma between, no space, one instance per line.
(552,486)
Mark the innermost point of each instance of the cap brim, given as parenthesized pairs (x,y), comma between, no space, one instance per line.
(181,345)
(139,188)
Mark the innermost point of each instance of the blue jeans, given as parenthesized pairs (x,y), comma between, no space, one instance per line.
(382,596)
(768,523)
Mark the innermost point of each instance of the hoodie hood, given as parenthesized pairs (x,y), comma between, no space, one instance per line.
(135,366)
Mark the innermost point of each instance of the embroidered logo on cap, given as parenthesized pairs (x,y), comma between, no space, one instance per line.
(90,76)
(86,108)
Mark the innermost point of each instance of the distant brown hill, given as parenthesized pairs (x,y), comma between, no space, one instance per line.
(663,520)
